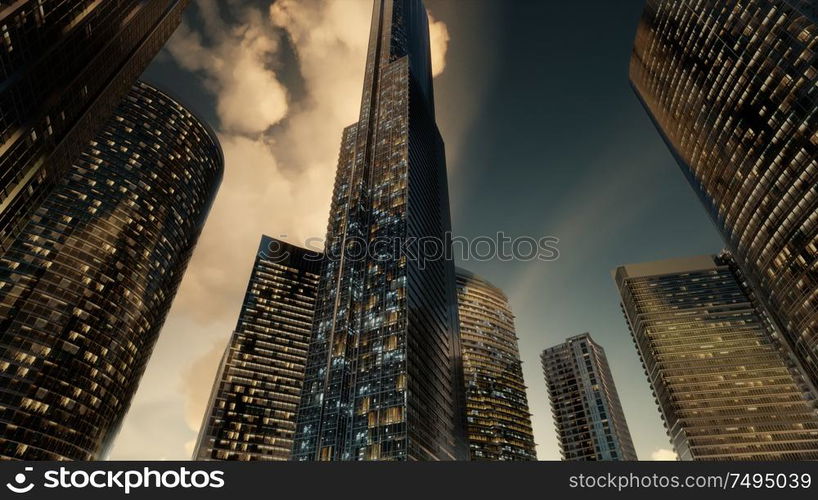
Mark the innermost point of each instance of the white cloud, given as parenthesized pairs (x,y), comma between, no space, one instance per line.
(250,98)
(439,41)
(189,447)
(664,455)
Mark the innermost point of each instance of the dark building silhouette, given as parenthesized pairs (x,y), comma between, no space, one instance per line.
(725,388)
(64,68)
(587,412)
(499,423)
(384,377)
(251,413)
(733,88)
(87,284)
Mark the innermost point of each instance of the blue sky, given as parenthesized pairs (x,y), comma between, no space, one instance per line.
(562,147)
(544,138)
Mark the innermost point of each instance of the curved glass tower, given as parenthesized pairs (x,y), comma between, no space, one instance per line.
(499,423)
(86,286)
(733,88)
(64,68)
(384,379)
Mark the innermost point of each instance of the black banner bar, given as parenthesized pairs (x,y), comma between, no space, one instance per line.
(463,480)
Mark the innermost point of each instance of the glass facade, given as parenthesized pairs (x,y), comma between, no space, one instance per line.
(587,413)
(733,88)
(724,385)
(65,65)
(499,424)
(251,413)
(384,377)
(87,284)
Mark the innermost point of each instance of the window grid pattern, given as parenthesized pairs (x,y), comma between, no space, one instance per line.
(725,388)
(733,88)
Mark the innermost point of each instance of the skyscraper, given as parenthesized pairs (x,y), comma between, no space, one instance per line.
(724,386)
(251,413)
(384,379)
(499,424)
(87,284)
(587,413)
(64,68)
(733,88)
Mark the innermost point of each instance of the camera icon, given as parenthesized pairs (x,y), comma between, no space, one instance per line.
(21,485)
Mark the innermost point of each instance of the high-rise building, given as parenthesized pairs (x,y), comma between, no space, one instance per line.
(498,420)
(733,88)
(384,378)
(587,413)
(86,285)
(724,385)
(251,413)
(64,68)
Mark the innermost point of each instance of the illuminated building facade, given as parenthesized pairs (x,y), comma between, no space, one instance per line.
(251,413)
(733,88)
(88,282)
(587,413)
(724,386)
(64,68)
(384,378)
(498,420)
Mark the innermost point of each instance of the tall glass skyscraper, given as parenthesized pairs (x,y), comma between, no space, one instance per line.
(251,413)
(86,285)
(587,413)
(733,88)
(64,68)
(499,423)
(384,377)
(724,386)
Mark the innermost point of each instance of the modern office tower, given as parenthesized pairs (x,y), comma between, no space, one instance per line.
(733,88)
(87,284)
(498,420)
(64,68)
(723,384)
(384,378)
(251,413)
(587,413)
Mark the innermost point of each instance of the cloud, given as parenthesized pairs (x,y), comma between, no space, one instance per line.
(236,65)
(278,182)
(439,38)
(663,455)
(592,199)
